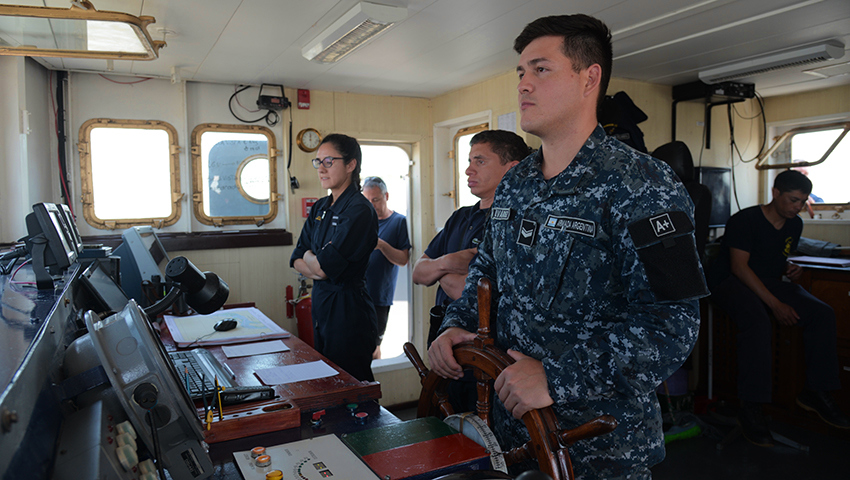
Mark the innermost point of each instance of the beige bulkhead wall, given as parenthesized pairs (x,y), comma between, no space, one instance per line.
(260,274)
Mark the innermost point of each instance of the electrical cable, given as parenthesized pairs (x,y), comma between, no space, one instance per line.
(57,105)
(156,453)
(12,278)
(293,182)
(271,117)
(125,83)
(14,255)
(236,87)
(732,148)
(733,145)
(702,144)
(764,129)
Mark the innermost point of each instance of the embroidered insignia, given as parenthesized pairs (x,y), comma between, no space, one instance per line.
(662,225)
(527,233)
(497,213)
(572,224)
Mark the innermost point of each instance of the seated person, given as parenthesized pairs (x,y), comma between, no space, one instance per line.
(749,286)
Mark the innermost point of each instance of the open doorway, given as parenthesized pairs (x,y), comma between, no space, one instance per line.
(392,164)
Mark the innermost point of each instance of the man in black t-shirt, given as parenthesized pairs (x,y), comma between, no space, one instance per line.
(754,259)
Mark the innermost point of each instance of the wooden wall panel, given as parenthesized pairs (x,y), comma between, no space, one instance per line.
(808,104)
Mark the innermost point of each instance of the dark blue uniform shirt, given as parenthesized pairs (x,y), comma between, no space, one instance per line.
(463,230)
(342,235)
(382,274)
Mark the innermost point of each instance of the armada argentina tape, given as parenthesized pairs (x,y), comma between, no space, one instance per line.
(572,224)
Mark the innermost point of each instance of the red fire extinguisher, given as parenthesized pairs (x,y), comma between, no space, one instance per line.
(304,314)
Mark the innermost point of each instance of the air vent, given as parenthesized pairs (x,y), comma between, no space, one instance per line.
(775,61)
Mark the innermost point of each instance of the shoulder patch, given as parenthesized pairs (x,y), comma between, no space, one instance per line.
(667,250)
(658,227)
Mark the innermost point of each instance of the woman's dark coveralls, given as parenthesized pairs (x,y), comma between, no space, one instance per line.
(342,236)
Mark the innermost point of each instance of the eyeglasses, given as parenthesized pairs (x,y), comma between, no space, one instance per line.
(328,162)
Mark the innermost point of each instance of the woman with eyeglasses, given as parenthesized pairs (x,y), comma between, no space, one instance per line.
(333,250)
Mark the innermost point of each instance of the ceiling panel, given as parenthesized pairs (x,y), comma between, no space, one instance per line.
(445,45)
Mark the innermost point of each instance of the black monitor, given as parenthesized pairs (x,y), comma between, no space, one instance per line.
(50,242)
(142,258)
(71,232)
(104,292)
(719,182)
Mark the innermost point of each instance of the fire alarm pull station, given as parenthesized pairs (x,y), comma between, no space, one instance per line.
(307,205)
(303,99)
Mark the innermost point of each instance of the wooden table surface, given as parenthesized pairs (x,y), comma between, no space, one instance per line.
(292,400)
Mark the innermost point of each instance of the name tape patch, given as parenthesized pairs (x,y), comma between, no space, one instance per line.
(527,233)
(572,224)
(498,213)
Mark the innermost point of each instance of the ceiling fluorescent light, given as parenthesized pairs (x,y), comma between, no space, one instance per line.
(774,61)
(357,26)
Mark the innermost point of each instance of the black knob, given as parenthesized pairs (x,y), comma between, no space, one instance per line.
(145,395)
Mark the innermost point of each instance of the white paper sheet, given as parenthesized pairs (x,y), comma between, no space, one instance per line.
(251,349)
(311,459)
(197,330)
(296,373)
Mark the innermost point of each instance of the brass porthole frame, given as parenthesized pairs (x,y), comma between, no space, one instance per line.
(198,183)
(244,163)
(87,185)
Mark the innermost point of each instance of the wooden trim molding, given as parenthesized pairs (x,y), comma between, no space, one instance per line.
(208,240)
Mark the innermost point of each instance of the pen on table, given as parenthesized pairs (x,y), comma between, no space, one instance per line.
(227,367)
(207,411)
(218,395)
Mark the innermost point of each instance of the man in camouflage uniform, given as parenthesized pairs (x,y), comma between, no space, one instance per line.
(591,247)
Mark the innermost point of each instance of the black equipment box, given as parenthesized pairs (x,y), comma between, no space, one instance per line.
(701,91)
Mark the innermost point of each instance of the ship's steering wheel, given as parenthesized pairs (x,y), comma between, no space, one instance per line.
(548,444)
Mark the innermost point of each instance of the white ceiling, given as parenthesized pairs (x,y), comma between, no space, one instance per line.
(447,44)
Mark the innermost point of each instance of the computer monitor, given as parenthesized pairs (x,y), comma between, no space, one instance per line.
(142,258)
(49,242)
(71,232)
(719,182)
(105,294)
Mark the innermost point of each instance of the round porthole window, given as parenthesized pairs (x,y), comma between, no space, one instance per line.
(252,178)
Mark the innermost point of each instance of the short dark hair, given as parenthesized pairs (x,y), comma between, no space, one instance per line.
(377,182)
(586,41)
(507,145)
(790,180)
(350,150)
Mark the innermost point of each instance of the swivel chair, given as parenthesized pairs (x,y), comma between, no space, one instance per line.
(678,156)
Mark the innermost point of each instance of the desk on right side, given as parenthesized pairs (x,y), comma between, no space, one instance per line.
(832,286)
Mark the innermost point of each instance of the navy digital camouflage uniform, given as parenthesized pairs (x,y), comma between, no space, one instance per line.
(598,278)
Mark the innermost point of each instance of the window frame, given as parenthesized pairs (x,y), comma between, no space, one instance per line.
(763,160)
(86,173)
(198,184)
(462,132)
